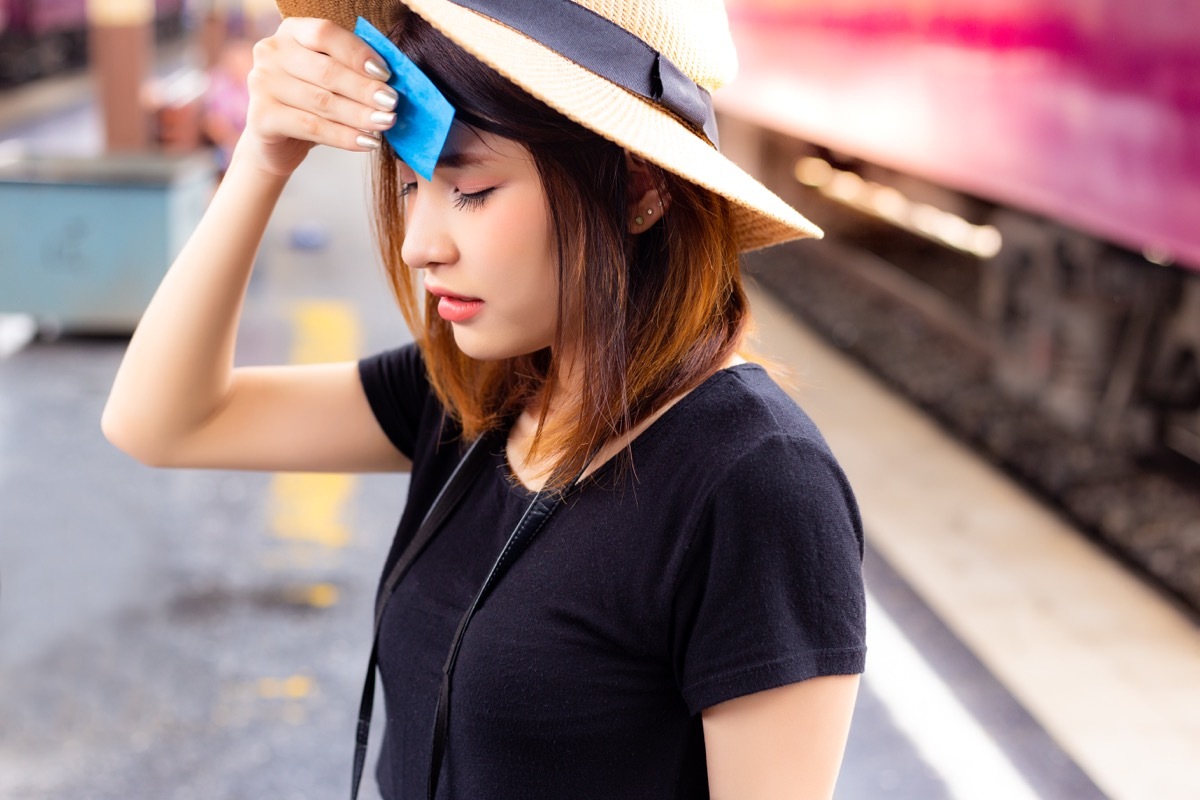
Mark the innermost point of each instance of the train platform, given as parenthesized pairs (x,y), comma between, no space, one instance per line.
(202,634)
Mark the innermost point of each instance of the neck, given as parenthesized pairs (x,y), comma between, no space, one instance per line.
(533,469)
(567,385)
(533,472)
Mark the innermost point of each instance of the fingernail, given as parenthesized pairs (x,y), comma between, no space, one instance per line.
(383,117)
(369,142)
(377,69)
(386,99)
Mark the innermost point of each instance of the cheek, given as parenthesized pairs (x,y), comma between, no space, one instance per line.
(543,275)
(519,237)
(520,277)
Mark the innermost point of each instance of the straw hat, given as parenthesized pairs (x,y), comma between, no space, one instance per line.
(662,58)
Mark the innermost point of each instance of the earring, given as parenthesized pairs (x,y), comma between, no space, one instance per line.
(638,220)
(649,212)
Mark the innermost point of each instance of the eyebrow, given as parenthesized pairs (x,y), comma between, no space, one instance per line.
(461,160)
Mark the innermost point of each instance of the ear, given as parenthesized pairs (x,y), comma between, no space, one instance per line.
(646,204)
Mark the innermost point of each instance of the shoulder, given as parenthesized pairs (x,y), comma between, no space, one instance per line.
(398,390)
(405,360)
(769,586)
(741,412)
(764,458)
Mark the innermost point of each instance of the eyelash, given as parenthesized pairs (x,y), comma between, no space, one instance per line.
(473,200)
(464,201)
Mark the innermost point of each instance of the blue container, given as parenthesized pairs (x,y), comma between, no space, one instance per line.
(85,242)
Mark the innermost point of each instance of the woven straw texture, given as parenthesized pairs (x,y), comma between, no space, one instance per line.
(694,34)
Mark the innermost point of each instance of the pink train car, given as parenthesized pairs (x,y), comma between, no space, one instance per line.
(1063,135)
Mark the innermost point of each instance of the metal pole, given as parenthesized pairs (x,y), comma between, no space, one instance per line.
(121,44)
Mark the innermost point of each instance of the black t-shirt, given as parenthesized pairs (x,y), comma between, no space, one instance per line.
(725,561)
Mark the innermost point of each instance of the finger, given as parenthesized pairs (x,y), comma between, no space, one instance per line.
(324,54)
(279,78)
(329,86)
(327,37)
(330,106)
(293,123)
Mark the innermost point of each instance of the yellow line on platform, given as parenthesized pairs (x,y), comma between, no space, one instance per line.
(291,687)
(310,507)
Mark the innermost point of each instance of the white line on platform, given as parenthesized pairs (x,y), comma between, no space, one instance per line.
(1109,669)
(11,151)
(948,738)
(16,331)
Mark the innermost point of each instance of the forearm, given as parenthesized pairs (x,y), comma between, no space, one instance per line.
(178,368)
(176,386)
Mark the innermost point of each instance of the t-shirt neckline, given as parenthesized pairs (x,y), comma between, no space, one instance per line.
(651,432)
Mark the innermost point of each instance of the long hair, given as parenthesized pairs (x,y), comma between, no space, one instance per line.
(646,318)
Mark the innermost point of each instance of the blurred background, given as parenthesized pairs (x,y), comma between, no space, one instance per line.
(999,335)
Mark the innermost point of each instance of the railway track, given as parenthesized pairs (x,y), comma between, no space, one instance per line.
(917,338)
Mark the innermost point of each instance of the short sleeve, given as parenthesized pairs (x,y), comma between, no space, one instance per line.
(771,592)
(397,388)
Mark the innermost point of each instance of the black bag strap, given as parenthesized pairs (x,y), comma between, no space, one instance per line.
(460,480)
(531,522)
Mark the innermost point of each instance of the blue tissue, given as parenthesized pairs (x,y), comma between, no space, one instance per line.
(423,115)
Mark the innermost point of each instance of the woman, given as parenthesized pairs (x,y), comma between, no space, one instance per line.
(688,619)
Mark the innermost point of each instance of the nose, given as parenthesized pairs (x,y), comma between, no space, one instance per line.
(427,238)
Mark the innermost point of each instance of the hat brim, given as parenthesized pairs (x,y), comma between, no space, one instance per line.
(761,218)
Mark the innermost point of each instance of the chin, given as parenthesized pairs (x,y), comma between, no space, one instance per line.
(481,347)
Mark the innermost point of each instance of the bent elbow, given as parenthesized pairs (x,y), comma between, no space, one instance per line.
(124,434)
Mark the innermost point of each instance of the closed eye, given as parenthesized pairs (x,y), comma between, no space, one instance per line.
(473,200)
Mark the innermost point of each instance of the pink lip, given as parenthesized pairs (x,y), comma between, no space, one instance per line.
(454,308)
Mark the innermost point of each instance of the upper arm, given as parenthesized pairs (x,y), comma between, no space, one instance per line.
(311,418)
(784,743)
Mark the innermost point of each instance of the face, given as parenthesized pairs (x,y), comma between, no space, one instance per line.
(481,233)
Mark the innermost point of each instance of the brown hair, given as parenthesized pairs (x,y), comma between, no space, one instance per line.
(646,317)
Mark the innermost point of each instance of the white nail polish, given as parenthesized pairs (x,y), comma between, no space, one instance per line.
(383,117)
(377,70)
(370,142)
(386,99)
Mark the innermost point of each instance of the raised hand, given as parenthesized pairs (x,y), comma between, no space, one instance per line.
(313,82)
